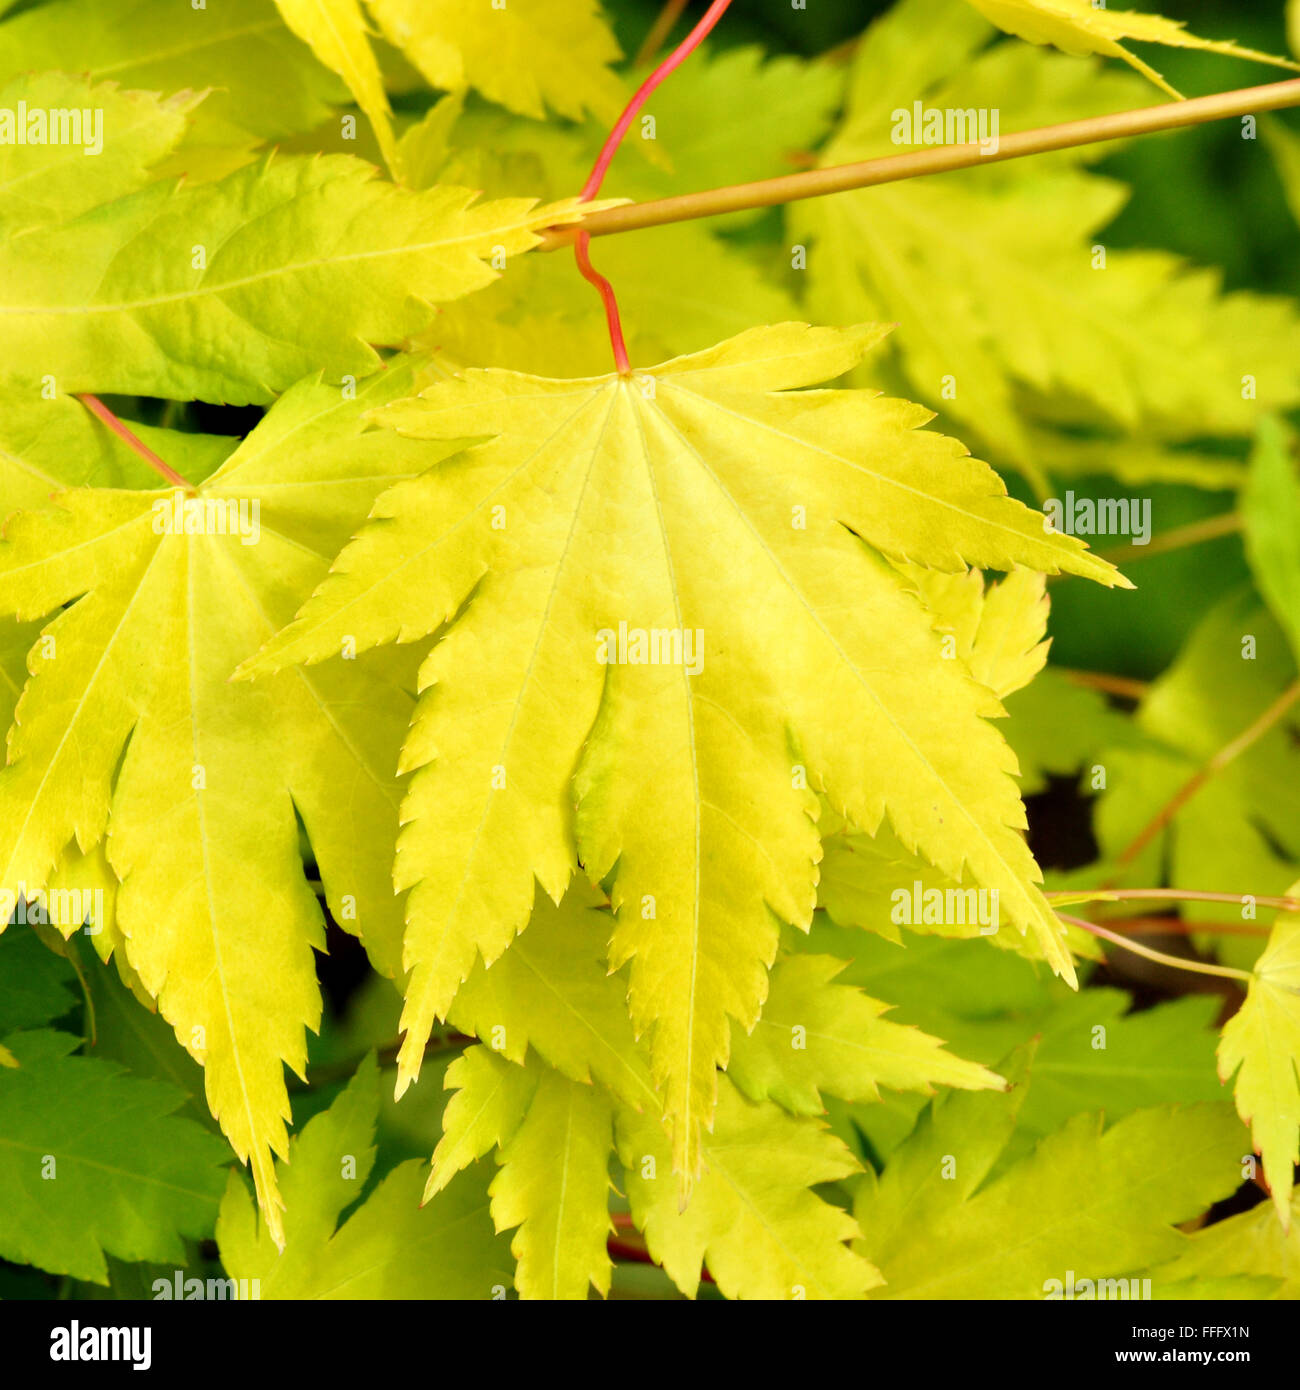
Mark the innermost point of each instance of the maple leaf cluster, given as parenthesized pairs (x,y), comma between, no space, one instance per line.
(661,737)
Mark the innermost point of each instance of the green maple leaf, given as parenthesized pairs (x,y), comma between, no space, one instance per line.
(1104,1203)
(389,1247)
(122,1019)
(539,316)
(129,729)
(93,1161)
(1078,26)
(586,508)
(527,56)
(1250,1244)
(551,991)
(817,1035)
(992,273)
(1260,1048)
(1238,834)
(1094,1051)
(554,1138)
(859,875)
(36,983)
(1056,727)
(955,979)
(263,83)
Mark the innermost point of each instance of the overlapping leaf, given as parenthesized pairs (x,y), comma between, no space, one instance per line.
(388,1247)
(753,1216)
(236,265)
(243,286)
(35,983)
(44,183)
(816,1034)
(263,84)
(49,445)
(1095,1052)
(129,729)
(1261,1049)
(554,1138)
(336,31)
(527,56)
(552,992)
(93,1161)
(1057,727)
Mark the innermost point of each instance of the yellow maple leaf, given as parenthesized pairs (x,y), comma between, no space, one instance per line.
(130,739)
(1079,27)
(526,56)
(1261,1047)
(656,669)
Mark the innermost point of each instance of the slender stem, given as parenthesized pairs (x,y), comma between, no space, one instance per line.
(581,254)
(1124,686)
(814,183)
(1175,926)
(1198,779)
(621,1249)
(659,31)
(628,1250)
(581,242)
(1197,967)
(1177,895)
(665,69)
(99,409)
(1211,528)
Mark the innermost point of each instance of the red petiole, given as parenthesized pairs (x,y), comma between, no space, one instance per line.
(601,167)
